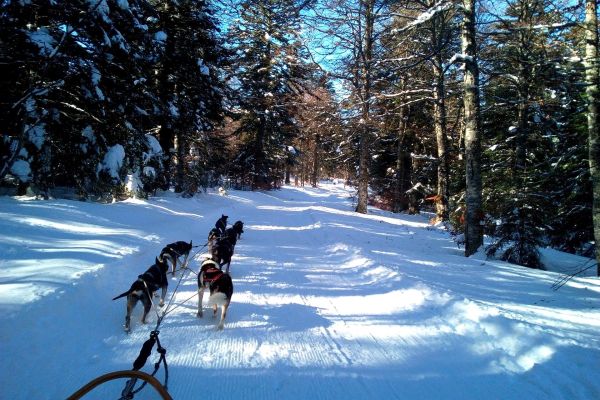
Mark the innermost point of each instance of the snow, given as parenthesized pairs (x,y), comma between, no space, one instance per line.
(43,39)
(328,304)
(22,170)
(113,161)
(160,36)
(153,145)
(36,135)
(204,70)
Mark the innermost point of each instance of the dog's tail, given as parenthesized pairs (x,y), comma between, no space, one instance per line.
(123,294)
(218,298)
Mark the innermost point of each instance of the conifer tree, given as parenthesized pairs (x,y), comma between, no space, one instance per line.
(190,91)
(268,68)
(526,81)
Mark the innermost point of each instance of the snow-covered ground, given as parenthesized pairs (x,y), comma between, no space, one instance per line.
(328,304)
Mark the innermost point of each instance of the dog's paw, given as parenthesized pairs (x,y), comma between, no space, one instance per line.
(199,314)
(220,327)
(161,304)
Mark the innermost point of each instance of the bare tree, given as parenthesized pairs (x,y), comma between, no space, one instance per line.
(350,30)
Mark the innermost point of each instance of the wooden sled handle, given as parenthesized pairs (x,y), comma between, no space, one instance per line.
(119,375)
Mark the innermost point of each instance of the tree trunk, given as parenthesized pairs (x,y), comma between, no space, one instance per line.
(363,172)
(166,137)
(180,175)
(315,165)
(442,142)
(592,80)
(473,229)
(399,181)
(259,180)
(365,137)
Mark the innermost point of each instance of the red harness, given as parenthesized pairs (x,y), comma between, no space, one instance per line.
(210,271)
(212,274)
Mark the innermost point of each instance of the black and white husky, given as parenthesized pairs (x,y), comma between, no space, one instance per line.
(143,290)
(173,252)
(220,287)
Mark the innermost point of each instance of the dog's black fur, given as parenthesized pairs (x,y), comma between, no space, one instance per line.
(222,252)
(238,228)
(173,251)
(143,290)
(213,237)
(221,224)
(220,287)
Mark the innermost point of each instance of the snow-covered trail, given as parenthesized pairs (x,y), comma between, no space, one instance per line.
(327,304)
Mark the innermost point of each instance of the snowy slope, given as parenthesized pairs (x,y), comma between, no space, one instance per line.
(328,304)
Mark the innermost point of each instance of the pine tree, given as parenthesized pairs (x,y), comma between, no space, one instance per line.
(527,134)
(80,96)
(268,68)
(189,89)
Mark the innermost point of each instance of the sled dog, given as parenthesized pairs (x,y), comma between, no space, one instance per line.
(238,228)
(221,224)
(173,252)
(220,288)
(143,290)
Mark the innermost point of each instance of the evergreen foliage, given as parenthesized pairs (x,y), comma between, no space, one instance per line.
(105,99)
(268,69)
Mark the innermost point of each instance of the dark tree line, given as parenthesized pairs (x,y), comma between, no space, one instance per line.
(483,113)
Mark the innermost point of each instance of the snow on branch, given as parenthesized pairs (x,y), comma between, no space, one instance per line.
(461,58)
(426,16)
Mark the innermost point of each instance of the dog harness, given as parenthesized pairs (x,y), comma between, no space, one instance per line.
(211,273)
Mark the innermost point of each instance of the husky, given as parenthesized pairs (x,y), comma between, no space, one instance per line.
(238,228)
(173,252)
(221,224)
(222,252)
(143,290)
(220,287)
(213,238)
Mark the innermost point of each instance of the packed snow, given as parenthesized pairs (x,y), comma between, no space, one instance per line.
(328,304)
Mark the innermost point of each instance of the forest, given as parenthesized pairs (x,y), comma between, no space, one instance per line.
(482,112)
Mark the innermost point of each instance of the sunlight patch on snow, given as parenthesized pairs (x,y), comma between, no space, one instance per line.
(22,293)
(394,302)
(25,281)
(99,247)
(163,208)
(329,210)
(586,284)
(74,227)
(356,262)
(427,263)
(230,196)
(525,361)
(337,248)
(556,317)
(59,270)
(284,228)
